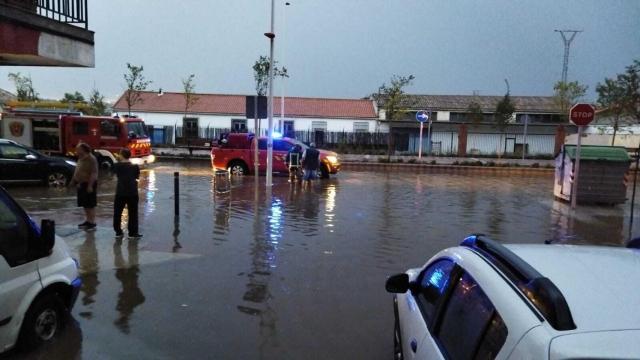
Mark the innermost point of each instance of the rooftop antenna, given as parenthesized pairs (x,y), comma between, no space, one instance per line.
(567,38)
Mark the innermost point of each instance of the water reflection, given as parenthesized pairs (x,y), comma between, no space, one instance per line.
(148,186)
(89,267)
(127,273)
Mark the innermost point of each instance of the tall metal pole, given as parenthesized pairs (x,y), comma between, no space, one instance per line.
(429,136)
(271,35)
(576,169)
(567,45)
(633,193)
(524,140)
(420,141)
(256,158)
(284,79)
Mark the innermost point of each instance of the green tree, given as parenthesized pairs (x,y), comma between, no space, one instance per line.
(566,95)
(392,95)
(190,97)
(503,114)
(97,106)
(612,97)
(630,80)
(136,84)
(261,74)
(75,97)
(24,87)
(474,112)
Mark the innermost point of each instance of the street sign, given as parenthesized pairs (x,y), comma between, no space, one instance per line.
(582,114)
(422,116)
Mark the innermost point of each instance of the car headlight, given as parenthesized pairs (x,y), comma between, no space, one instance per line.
(72,163)
(332,159)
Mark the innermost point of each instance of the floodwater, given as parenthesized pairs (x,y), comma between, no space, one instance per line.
(290,274)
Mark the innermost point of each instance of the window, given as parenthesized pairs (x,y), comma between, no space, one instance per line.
(433,283)
(80,128)
(13,152)
(239,125)
(262,144)
(319,125)
(14,234)
(470,326)
(190,126)
(360,126)
(137,128)
(288,128)
(281,145)
(109,128)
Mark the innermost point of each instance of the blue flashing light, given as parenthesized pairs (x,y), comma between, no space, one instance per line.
(277,135)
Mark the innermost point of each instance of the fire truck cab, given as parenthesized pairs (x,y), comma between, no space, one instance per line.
(57,133)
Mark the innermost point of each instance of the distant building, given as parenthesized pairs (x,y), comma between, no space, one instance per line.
(227,113)
(6,96)
(45,33)
(449,112)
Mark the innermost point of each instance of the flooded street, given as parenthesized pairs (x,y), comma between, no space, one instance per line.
(297,273)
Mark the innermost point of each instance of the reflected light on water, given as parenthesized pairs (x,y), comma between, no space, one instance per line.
(150,193)
(329,208)
(274,230)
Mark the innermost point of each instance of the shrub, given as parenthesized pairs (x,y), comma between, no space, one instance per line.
(400,160)
(412,161)
(383,160)
(490,163)
(433,162)
(535,165)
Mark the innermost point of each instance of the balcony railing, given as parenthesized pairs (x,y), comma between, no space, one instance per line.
(65,11)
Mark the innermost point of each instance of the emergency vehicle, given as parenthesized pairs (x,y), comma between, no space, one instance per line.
(235,152)
(58,133)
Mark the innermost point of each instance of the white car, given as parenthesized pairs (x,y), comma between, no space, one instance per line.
(484,300)
(39,281)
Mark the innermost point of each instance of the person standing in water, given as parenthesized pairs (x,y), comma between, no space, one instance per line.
(126,195)
(85,178)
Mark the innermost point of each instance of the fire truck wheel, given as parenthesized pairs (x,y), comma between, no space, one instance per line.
(238,168)
(105,163)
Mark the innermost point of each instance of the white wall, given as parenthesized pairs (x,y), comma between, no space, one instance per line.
(224,121)
(443,115)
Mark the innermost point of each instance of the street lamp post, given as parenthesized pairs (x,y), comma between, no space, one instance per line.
(284,28)
(271,35)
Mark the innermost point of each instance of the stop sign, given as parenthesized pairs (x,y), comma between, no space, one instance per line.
(582,114)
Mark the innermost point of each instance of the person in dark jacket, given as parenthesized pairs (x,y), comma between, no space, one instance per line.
(126,194)
(293,160)
(310,163)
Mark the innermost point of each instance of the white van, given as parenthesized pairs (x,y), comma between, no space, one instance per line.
(39,280)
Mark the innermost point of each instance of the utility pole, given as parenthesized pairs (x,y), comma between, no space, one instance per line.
(271,35)
(284,28)
(567,38)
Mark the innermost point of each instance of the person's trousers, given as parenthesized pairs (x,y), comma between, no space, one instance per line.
(131,202)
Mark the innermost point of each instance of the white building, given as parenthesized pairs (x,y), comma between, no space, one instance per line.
(227,113)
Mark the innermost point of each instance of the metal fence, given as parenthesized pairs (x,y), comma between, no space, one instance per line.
(65,11)
(442,142)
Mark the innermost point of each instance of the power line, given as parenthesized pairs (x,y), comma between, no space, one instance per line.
(567,38)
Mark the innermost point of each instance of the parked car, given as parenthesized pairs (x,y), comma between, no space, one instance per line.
(236,153)
(19,163)
(39,280)
(484,300)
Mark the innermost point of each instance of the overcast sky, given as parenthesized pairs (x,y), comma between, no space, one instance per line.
(347,48)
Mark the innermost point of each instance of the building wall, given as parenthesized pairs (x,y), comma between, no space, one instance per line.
(224,122)
(446,142)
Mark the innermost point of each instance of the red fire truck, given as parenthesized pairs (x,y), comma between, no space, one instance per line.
(57,133)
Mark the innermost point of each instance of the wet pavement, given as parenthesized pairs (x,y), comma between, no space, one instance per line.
(297,273)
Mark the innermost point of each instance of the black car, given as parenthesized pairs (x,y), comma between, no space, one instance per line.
(22,164)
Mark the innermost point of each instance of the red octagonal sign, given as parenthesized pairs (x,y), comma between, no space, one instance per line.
(582,114)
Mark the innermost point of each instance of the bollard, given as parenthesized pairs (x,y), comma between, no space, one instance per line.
(176,193)
(222,181)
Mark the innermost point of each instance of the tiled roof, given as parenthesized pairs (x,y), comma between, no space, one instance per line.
(533,104)
(6,96)
(235,105)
